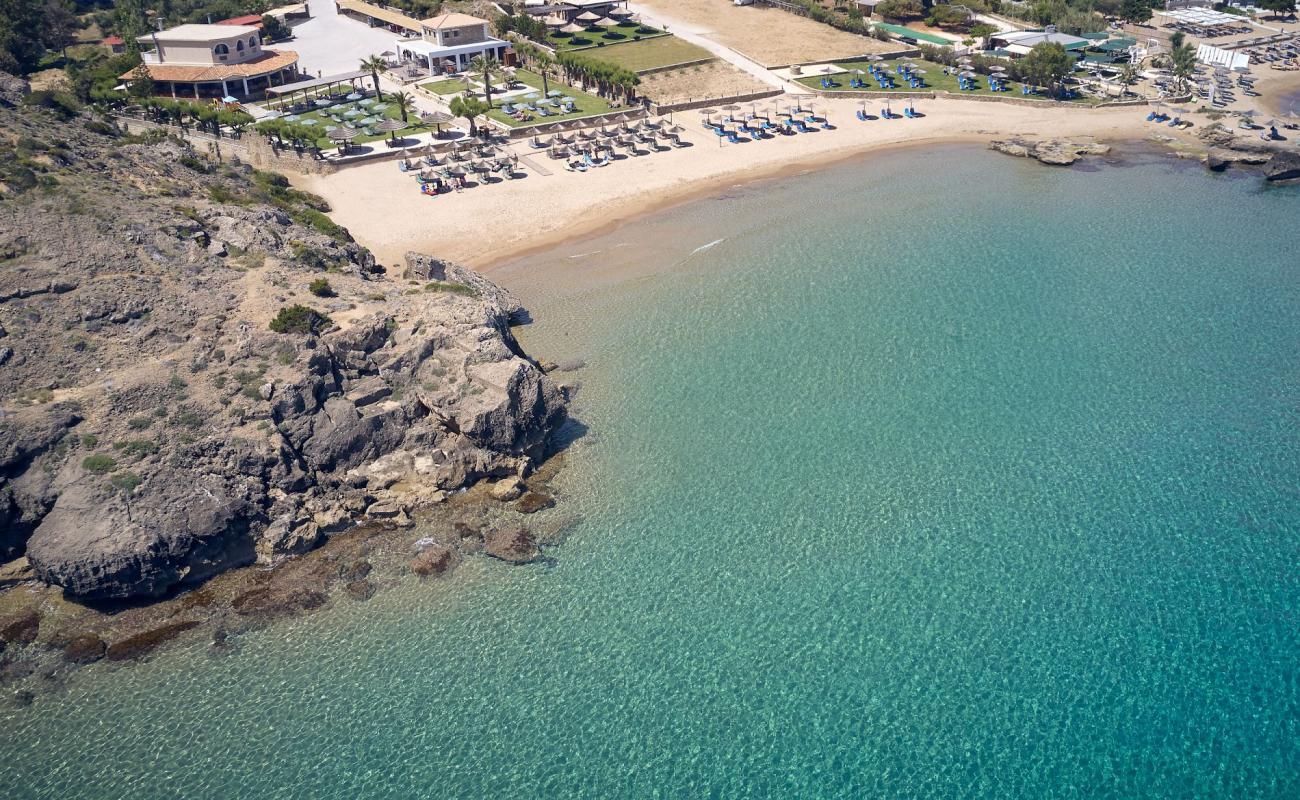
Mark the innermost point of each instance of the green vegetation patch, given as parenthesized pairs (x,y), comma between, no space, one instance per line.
(99,463)
(300,319)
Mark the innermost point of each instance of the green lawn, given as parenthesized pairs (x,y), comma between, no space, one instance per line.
(661,51)
(601,37)
(935,80)
(586,104)
(446,86)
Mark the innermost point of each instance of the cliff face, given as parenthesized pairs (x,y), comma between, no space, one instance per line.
(155,431)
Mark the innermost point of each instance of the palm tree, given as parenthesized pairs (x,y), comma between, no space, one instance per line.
(487,67)
(1128,75)
(404,103)
(376,65)
(545,66)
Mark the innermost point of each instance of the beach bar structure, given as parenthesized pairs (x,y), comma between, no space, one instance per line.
(448,42)
(380,17)
(1019,43)
(570,10)
(314,86)
(212,61)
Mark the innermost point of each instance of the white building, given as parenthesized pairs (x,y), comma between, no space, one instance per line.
(449,41)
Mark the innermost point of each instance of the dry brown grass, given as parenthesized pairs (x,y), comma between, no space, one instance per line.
(706,81)
(770,36)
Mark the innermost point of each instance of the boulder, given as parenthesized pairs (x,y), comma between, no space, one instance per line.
(20,628)
(433,560)
(532,502)
(179,528)
(513,545)
(15,572)
(284,538)
(508,489)
(1284,165)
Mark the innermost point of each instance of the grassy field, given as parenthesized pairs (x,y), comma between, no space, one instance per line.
(651,53)
(616,34)
(586,104)
(934,80)
(447,86)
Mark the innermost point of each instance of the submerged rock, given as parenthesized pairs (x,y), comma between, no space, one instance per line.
(360,589)
(277,602)
(20,629)
(433,561)
(516,546)
(143,643)
(532,502)
(84,649)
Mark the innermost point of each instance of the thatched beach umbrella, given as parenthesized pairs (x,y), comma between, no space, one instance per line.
(575,29)
(620,13)
(587,16)
(391,126)
(606,22)
(342,136)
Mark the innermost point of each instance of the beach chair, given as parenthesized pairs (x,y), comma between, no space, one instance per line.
(732,137)
(862,115)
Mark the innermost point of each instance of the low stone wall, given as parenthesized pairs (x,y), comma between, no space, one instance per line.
(712,101)
(680,65)
(983,98)
(251,148)
(910,52)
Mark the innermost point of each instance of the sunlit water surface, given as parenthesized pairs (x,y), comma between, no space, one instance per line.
(938,474)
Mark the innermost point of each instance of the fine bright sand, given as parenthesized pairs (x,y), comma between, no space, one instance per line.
(484,225)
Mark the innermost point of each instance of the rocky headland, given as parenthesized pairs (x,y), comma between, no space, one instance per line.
(1215,145)
(200,371)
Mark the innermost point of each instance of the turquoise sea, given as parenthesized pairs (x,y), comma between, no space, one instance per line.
(935,474)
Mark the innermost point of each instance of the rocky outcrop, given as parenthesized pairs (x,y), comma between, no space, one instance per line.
(1283,166)
(1056,152)
(12,89)
(155,430)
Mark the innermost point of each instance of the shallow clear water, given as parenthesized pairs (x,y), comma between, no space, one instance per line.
(942,474)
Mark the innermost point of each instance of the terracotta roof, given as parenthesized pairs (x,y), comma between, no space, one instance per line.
(268,61)
(112,40)
(452,20)
(248,19)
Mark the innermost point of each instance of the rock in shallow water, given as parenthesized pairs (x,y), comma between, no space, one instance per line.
(515,545)
(84,649)
(532,502)
(143,643)
(433,561)
(508,489)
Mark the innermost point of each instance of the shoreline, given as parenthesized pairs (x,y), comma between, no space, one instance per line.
(524,217)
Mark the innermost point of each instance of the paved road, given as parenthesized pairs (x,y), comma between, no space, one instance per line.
(330,43)
(701,36)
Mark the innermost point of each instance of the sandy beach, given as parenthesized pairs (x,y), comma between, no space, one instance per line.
(485,225)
